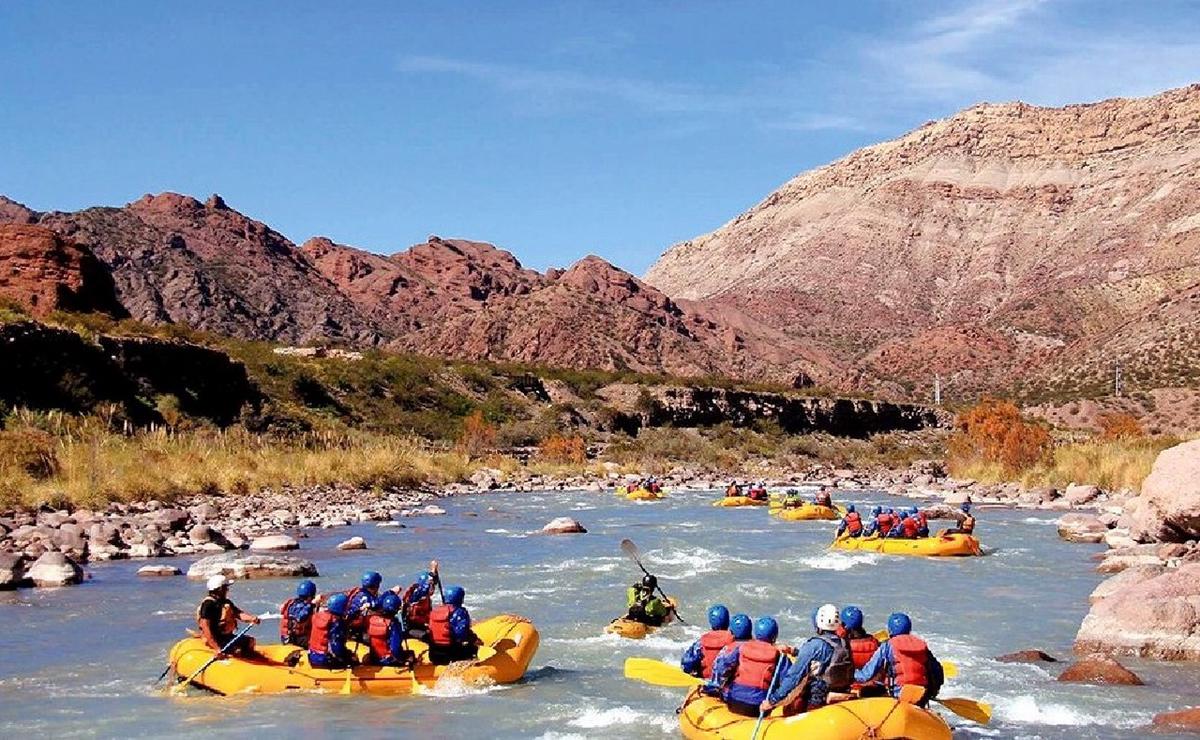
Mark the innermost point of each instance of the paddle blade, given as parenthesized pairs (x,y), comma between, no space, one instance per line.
(630,549)
(658,673)
(912,693)
(949,670)
(881,635)
(976,711)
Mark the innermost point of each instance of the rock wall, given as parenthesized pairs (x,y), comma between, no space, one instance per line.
(843,417)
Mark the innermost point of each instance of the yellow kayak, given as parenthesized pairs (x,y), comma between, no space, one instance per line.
(807,511)
(954,544)
(643,494)
(509,645)
(634,630)
(739,501)
(707,718)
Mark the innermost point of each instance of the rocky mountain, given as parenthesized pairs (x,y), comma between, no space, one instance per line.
(45,272)
(174,259)
(1005,243)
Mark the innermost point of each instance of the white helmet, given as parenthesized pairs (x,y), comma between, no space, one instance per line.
(217,581)
(827,618)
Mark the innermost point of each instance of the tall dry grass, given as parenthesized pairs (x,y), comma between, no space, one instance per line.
(1112,464)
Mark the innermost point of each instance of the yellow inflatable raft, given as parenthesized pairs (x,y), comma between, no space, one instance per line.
(707,718)
(739,501)
(807,511)
(509,645)
(643,494)
(939,546)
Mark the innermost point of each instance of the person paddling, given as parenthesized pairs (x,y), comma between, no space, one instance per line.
(327,642)
(822,666)
(903,660)
(295,616)
(217,618)
(385,635)
(823,498)
(966,525)
(360,601)
(742,675)
(450,635)
(644,605)
(417,602)
(698,658)
(851,523)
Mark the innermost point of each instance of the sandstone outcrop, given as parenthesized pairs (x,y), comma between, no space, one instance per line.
(1077,527)
(1168,509)
(1156,617)
(44,272)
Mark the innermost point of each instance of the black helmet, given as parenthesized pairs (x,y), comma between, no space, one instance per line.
(649,581)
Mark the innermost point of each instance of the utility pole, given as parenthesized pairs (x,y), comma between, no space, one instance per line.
(937,390)
(1117,379)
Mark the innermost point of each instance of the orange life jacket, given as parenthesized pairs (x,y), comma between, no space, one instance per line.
(318,638)
(861,650)
(885,521)
(711,644)
(854,523)
(922,520)
(439,625)
(756,664)
(909,654)
(228,621)
(378,627)
(416,613)
(968,524)
(910,527)
(288,629)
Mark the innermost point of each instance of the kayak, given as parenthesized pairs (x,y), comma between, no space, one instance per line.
(739,501)
(806,511)
(509,644)
(643,494)
(632,629)
(954,544)
(707,718)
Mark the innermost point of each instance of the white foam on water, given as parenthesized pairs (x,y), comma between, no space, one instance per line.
(837,560)
(594,718)
(691,562)
(1028,709)
(453,687)
(562,736)
(686,525)
(497,531)
(1036,520)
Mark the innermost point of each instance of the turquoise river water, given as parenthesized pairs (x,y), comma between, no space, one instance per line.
(79,661)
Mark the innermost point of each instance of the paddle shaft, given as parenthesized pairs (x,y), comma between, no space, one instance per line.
(761,712)
(213,659)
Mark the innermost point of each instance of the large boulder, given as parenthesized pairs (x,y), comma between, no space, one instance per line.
(1076,527)
(1168,509)
(171,520)
(54,569)
(1156,617)
(237,565)
(1077,495)
(1187,720)
(274,542)
(1099,669)
(1026,656)
(158,571)
(563,525)
(12,570)
(1126,578)
(354,543)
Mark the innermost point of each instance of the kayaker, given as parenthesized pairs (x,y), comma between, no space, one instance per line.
(742,675)
(851,523)
(450,635)
(966,525)
(698,658)
(295,616)
(903,660)
(862,643)
(361,600)
(327,641)
(217,618)
(417,602)
(822,665)
(823,498)
(385,635)
(643,605)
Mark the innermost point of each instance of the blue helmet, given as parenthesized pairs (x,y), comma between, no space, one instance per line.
(389,603)
(371,579)
(766,629)
(966,507)
(740,627)
(876,510)
(904,515)
(913,510)
(306,589)
(852,617)
(337,604)
(849,508)
(890,510)
(899,624)
(718,617)
(425,579)
(455,595)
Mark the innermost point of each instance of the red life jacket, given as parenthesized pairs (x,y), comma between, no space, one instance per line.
(922,520)
(711,644)
(862,649)
(318,638)
(439,625)
(910,527)
(416,613)
(854,523)
(756,664)
(289,630)
(378,627)
(884,521)
(909,654)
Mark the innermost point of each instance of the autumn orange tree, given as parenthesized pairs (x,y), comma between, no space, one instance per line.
(994,432)
(1120,425)
(477,436)
(560,449)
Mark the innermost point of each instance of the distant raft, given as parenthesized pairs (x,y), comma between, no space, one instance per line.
(938,546)
(509,645)
(707,718)
(739,501)
(807,511)
(644,494)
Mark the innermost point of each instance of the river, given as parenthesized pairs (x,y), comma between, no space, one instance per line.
(79,661)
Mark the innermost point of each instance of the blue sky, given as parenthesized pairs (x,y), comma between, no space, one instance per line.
(554,129)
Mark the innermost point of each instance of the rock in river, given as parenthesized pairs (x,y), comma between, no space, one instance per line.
(274,542)
(564,525)
(12,570)
(237,565)
(1026,656)
(1155,617)
(54,569)
(1168,509)
(1099,669)
(354,543)
(1076,527)
(159,570)
(1184,719)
